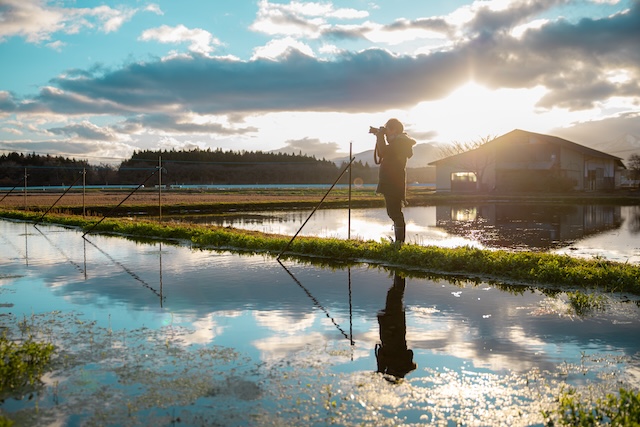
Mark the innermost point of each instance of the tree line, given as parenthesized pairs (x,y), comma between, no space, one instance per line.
(196,166)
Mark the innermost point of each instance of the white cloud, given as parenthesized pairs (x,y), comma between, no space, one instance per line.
(154,8)
(113,19)
(36,20)
(200,41)
(31,19)
(11,130)
(301,19)
(57,45)
(277,48)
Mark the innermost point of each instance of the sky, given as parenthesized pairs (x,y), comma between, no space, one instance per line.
(98,80)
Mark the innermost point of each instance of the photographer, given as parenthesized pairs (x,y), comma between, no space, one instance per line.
(393,148)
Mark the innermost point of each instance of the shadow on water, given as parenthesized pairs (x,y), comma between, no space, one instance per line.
(149,333)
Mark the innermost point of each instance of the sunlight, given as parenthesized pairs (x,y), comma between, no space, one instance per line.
(474,111)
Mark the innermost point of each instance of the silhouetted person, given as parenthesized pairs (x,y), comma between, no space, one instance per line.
(393,148)
(392,355)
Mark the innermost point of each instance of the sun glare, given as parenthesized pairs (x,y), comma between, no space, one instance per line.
(474,111)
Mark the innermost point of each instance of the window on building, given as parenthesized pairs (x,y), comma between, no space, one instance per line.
(463,177)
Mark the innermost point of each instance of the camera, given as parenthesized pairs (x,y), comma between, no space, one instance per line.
(374,130)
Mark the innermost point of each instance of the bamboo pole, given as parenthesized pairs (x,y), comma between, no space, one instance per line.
(316,208)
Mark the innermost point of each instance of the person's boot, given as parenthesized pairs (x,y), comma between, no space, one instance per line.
(400,234)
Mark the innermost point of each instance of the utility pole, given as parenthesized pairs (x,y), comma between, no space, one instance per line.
(25,189)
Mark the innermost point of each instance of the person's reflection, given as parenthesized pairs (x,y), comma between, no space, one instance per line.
(392,355)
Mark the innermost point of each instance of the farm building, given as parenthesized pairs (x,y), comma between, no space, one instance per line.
(528,161)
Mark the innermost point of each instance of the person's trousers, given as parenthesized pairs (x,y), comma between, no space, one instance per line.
(394,205)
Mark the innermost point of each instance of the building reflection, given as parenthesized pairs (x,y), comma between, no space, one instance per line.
(528,226)
(392,355)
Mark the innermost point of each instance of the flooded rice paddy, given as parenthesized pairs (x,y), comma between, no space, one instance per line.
(155,334)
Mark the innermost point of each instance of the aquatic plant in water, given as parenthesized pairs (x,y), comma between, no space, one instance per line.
(584,303)
(22,365)
(616,410)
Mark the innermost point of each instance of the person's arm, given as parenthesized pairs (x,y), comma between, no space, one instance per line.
(381,144)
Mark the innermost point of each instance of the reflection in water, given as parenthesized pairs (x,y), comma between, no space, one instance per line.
(236,341)
(610,229)
(321,307)
(131,272)
(634,219)
(531,227)
(392,355)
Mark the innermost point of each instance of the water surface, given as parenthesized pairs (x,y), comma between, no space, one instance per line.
(163,335)
(607,231)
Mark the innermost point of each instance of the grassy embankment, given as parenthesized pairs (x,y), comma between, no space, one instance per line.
(515,267)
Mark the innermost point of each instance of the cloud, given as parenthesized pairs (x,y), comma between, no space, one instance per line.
(31,19)
(491,17)
(281,48)
(591,132)
(7,102)
(296,82)
(57,45)
(180,123)
(579,65)
(86,149)
(37,21)
(574,62)
(311,147)
(296,19)
(85,131)
(200,41)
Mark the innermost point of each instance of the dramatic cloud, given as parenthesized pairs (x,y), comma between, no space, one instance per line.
(575,68)
(306,58)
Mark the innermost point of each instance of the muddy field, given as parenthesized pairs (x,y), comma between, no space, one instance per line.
(44,200)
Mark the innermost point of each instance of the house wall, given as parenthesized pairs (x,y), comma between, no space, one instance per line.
(443,177)
(572,165)
(599,174)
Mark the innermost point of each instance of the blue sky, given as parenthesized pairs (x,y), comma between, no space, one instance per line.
(98,80)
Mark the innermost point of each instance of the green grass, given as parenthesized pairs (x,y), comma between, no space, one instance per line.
(515,267)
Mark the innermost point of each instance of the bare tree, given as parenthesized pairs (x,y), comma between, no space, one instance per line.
(634,166)
(477,163)
(457,147)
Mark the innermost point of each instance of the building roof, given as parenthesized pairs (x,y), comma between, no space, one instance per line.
(518,135)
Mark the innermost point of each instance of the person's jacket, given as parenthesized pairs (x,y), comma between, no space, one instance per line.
(393,162)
